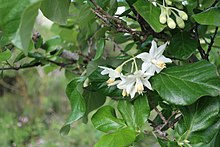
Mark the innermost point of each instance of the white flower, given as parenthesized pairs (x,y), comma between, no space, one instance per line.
(113,74)
(154,60)
(134,83)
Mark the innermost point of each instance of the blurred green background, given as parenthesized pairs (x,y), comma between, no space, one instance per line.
(34,107)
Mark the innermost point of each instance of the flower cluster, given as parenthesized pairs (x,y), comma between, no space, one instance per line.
(135,81)
(167,11)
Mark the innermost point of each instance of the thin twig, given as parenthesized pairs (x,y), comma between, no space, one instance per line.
(20,67)
(117,22)
(161,115)
(168,120)
(201,50)
(211,42)
(171,125)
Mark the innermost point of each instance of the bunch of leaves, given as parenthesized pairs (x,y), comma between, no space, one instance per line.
(186,94)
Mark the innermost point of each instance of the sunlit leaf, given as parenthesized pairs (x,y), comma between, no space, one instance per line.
(121,138)
(210,16)
(105,120)
(184,85)
(150,13)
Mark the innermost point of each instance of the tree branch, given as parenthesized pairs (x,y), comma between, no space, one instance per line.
(201,50)
(117,23)
(21,66)
(211,42)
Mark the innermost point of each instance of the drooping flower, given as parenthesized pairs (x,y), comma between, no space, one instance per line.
(154,60)
(134,83)
(113,74)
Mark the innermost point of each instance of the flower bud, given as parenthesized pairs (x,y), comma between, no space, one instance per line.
(186,141)
(171,24)
(183,15)
(86,82)
(180,143)
(163,18)
(180,22)
(168,2)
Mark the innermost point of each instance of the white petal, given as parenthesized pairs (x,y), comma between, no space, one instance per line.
(164,59)
(106,70)
(158,69)
(144,56)
(148,74)
(145,66)
(160,50)
(114,83)
(147,84)
(122,85)
(151,69)
(132,93)
(153,49)
(130,86)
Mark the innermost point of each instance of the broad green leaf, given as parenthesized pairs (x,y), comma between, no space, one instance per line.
(56,10)
(100,46)
(78,104)
(121,138)
(10,17)
(201,121)
(5,55)
(126,109)
(201,136)
(142,110)
(205,4)
(105,120)
(150,13)
(135,115)
(23,35)
(210,16)
(183,85)
(182,46)
(93,101)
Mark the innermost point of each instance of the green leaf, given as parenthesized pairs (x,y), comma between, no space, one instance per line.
(10,17)
(150,13)
(5,55)
(100,45)
(78,104)
(105,120)
(205,4)
(182,45)
(183,85)
(121,138)
(142,110)
(210,16)
(200,121)
(126,109)
(23,35)
(135,115)
(56,10)
(93,101)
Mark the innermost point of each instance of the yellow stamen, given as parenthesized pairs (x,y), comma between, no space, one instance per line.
(124,93)
(161,64)
(140,88)
(110,81)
